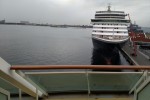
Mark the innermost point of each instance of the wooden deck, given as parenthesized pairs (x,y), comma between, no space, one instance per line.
(91,97)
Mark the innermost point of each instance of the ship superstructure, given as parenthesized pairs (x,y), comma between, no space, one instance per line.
(110,28)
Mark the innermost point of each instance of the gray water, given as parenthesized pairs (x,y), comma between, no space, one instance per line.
(146,29)
(35,45)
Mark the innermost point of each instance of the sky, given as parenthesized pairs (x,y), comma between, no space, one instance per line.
(71,11)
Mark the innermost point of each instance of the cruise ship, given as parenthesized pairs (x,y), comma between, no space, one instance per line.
(110,29)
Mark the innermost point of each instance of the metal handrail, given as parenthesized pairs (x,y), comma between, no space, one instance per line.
(97,67)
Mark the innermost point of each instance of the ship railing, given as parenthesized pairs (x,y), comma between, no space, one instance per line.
(137,75)
(98,67)
(42,80)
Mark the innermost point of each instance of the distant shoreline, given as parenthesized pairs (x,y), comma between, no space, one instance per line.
(49,25)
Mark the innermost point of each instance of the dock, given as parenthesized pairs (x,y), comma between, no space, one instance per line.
(140,58)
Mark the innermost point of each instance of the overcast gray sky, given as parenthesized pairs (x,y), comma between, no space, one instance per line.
(70,11)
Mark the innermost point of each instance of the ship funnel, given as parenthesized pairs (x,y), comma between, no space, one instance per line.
(109,6)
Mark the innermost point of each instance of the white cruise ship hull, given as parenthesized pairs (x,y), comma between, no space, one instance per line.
(107,44)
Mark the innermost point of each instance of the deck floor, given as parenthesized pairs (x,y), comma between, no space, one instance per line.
(91,97)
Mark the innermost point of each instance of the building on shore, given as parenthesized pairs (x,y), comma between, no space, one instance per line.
(2,21)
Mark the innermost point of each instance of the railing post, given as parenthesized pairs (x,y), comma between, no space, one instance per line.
(37,97)
(135,95)
(88,82)
(146,74)
(142,78)
(143,81)
(20,94)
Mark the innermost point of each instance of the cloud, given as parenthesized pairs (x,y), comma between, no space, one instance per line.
(70,11)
